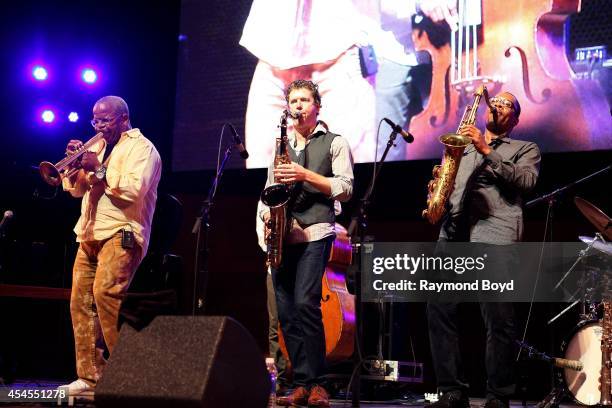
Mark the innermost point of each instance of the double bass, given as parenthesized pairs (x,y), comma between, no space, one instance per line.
(519,47)
(337,304)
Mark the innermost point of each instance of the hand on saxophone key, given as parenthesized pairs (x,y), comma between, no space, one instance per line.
(478,139)
(290,173)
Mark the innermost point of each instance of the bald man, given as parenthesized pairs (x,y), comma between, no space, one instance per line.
(485,207)
(118,185)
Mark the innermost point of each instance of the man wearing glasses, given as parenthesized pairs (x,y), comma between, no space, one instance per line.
(485,207)
(118,185)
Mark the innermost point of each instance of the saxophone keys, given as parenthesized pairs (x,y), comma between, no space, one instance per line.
(436,171)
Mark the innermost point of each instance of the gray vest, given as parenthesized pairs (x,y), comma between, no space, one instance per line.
(308,205)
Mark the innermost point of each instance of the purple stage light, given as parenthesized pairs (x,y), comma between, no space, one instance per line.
(89,76)
(73,117)
(48,116)
(39,73)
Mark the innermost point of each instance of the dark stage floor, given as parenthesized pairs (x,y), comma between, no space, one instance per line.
(416,401)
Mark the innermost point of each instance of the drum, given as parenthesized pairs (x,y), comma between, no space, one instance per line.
(584,345)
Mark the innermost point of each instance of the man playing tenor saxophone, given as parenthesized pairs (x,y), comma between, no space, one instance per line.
(485,207)
(321,171)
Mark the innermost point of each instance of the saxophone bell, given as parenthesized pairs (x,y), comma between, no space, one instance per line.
(276,195)
(454,140)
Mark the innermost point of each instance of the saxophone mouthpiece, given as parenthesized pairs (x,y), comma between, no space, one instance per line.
(488,101)
(293,115)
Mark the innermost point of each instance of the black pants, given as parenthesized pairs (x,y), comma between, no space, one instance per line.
(275,350)
(297,284)
(500,348)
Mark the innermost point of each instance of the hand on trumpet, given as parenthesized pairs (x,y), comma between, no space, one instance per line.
(73,146)
(478,139)
(89,161)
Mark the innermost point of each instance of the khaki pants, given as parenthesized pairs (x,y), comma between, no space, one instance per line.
(101,275)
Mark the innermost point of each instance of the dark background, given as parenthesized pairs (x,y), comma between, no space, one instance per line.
(137,46)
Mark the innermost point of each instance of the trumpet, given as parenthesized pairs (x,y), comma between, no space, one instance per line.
(54,173)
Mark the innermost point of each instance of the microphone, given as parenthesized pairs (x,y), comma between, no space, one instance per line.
(575,365)
(8,215)
(241,149)
(398,129)
(571,364)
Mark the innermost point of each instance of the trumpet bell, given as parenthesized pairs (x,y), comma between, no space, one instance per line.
(455,140)
(275,195)
(49,173)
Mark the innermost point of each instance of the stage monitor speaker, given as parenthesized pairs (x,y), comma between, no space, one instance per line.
(185,361)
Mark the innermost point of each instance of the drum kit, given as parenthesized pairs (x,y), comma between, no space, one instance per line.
(588,343)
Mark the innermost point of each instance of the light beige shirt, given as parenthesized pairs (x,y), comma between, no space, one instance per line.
(126,199)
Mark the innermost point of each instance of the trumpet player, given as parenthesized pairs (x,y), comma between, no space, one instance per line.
(321,171)
(484,207)
(118,186)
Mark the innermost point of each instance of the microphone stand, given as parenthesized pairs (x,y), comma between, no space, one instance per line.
(555,396)
(200,274)
(551,196)
(359,223)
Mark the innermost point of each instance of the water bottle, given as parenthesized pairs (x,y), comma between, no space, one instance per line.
(271,366)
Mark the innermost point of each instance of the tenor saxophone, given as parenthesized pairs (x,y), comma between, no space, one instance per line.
(441,187)
(276,196)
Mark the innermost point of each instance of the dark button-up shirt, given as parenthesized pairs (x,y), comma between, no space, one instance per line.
(486,204)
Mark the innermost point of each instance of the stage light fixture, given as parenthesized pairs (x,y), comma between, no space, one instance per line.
(89,76)
(48,116)
(73,117)
(40,73)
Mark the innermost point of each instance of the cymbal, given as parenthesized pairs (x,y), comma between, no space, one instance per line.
(601,221)
(604,247)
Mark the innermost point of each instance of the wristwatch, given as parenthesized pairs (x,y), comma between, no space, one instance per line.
(100,172)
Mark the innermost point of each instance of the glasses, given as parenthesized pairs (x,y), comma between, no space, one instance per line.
(501,101)
(102,121)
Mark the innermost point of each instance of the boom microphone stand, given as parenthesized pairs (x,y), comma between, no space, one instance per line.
(550,199)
